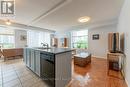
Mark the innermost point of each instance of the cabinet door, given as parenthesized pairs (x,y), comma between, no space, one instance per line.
(25,56)
(28,58)
(32,60)
(37,62)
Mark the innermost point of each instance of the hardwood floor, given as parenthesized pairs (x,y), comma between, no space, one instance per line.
(95,75)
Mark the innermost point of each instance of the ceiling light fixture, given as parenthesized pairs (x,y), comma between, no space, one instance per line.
(84,19)
(8,22)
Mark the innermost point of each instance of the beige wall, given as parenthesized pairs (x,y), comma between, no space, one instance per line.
(124,27)
(99,48)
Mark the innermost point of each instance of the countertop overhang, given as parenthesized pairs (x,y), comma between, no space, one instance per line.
(54,50)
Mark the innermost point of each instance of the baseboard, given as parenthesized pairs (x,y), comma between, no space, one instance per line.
(99,57)
(128,85)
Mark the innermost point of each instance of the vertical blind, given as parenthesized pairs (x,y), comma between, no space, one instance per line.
(35,38)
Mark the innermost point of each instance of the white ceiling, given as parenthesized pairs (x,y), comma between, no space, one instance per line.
(63,14)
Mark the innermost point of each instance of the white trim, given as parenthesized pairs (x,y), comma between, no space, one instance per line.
(128,85)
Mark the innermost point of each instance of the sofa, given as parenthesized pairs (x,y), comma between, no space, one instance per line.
(12,53)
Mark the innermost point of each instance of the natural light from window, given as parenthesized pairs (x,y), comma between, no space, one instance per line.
(7,39)
(35,38)
(79,39)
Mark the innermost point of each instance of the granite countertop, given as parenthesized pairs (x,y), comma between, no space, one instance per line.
(54,50)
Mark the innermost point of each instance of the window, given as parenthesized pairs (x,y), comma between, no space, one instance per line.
(79,39)
(6,38)
(35,38)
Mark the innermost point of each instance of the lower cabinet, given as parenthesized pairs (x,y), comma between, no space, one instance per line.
(25,55)
(32,60)
(37,62)
(28,60)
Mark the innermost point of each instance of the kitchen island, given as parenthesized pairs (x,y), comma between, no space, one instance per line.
(52,64)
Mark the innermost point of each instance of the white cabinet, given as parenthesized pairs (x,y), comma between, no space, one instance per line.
(32,64)
(37,62)
(25,55)
(32,60)
(28,59)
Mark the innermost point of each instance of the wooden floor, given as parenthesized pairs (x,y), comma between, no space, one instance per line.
(95,75)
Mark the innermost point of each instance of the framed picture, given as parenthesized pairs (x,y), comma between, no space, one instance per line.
(96,37)
(23,37)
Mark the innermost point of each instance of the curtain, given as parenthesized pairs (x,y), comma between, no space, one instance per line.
(35,38)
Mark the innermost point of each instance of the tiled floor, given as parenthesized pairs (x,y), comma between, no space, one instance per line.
(13,73)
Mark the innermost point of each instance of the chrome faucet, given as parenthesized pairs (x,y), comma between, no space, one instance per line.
(45,44)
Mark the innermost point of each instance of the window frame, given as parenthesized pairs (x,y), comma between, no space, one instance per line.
(74,36)
(13,44)
(46,38)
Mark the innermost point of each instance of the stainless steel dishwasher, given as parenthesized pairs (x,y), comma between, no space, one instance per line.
(48,67)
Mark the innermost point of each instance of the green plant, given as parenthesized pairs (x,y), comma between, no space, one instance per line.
(81,44)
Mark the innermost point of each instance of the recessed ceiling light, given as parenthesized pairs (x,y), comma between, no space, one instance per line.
(8,22)
(84,19)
